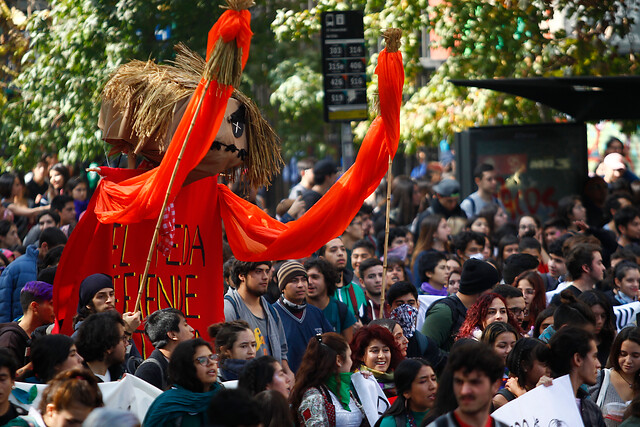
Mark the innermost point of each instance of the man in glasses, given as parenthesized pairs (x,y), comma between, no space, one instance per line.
(515,300)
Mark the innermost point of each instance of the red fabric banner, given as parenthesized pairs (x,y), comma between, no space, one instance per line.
(190,279)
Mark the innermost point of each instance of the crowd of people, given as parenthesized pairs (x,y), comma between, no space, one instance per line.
(512,304)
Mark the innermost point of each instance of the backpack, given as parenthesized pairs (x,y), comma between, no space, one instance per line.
(458,313)
(165,385)
(272,311)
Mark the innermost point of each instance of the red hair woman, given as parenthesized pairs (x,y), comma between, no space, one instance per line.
(489,308)
(373,349)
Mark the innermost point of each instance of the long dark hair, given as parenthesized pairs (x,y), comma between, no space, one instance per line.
(630,333)
(403,377)
(428,228)
(539,301)
(318,362)
(182,370)
(257,374)
(47,352)
(525,352)
(608,332)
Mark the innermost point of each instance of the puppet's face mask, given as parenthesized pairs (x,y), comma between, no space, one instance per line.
(229,149)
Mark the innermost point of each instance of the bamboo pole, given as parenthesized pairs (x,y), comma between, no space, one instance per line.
(386,240)
(143,282)
(392,40)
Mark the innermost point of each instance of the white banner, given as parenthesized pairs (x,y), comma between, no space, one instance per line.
(557,400)
(425,303)
(626,314)
(373,400)
(129,394)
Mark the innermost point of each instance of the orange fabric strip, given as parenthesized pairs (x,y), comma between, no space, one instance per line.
(254,236)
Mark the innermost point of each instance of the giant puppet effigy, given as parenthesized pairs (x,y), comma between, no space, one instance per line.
(156,229)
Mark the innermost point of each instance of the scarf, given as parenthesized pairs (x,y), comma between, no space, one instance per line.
(384,379)
(430,290)
(340,385)
(624,298)
(293,307)
(178,401)
(406,317)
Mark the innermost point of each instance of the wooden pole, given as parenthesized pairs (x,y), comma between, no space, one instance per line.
(143,283)
(386,240)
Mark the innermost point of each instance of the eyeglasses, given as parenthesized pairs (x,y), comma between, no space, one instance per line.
(517,311)
(125,338)
(204,360)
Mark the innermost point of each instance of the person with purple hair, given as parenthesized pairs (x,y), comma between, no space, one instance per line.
(36,299)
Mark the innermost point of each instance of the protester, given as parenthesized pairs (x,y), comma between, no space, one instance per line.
(247,302)
(23,270)
(453,281)
(193,372)
(374,350)
(69,397)
(235,345)
(301,321)
(166,329)
(620,381)
(274,409)
(533,290)
(484,176)
(97,296)
(605,328)
(501,337)
(348,291)
(515,302)
(323,278)
(527,364)
(52,354)
(433,272)
(8,367)
(322,391)
(626,280)
(543,321)
(362,249)
(476,375)
(36,300)
(371,271)
(264,373)
(403,301)
(78,188)
(584,264)
(416,384)
(574,353)
(445,317)
(102,343)
(397,332)
(487,309)
(434,236)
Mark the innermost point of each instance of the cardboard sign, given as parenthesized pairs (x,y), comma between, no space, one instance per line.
(558,401)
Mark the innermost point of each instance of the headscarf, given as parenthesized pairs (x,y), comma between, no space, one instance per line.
(406,316)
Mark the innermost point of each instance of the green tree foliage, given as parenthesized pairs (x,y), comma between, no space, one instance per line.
(74,48)
(486,39)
